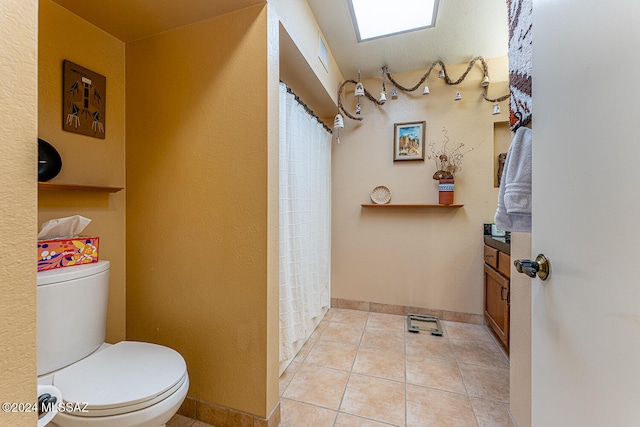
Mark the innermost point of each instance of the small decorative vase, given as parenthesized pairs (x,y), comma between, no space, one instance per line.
(445,196)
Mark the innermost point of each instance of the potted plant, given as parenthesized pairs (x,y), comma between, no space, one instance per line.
(448,159)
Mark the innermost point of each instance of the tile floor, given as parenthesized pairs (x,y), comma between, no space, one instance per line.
(182,421)
(362,369)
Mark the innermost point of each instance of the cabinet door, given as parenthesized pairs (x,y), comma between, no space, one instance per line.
(496,310)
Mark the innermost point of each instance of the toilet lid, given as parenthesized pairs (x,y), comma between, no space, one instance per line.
(124,375)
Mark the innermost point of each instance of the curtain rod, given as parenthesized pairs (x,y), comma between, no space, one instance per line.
(306,108)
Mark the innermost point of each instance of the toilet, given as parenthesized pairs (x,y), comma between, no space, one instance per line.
(121,385)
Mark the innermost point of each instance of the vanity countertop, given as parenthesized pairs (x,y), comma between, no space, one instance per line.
(501,243)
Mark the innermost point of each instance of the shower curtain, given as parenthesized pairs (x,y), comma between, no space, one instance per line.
(305,166)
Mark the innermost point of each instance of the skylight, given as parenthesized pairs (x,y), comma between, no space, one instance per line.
(380,18)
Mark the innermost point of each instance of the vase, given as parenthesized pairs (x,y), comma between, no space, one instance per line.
(445,195)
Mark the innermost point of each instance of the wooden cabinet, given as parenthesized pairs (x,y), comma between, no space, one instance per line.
(496,292)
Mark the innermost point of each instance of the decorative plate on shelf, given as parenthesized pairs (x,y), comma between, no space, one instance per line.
(381,195)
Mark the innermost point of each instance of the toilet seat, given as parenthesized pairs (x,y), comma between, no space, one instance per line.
(125,377)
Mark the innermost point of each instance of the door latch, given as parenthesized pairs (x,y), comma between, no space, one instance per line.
(540,267)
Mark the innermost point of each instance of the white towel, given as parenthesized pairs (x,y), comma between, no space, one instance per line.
(514,197)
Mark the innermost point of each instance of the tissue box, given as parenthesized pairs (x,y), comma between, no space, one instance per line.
(58,253)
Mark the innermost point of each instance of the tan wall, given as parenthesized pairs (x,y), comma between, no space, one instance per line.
(301,25)
(428,258)
(18,135)
(197,218)
(86,160)
(520,334)
(273,213)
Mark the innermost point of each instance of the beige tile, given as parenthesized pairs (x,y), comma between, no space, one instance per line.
(342,332)
(486,353)
(467,331)
(442,374)
(434,408)
(352,317)
(330,312)
(334,302)
(380,363)
(332,355)
(386,308)
(201,424)
(221,417)
(180,421)
(383,338)
(425,344)
(287,376)
(490,413)
(321,327)
(353,305)
(188,408)
(304,351)
(346,420)
(318,386)
(374,398)
(455,316)
(423,311)
(272,421)
(486,382)
(296,414)
(387,321)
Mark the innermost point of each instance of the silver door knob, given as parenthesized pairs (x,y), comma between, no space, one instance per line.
(540,267)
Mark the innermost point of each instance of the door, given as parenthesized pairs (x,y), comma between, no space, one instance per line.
(586,213)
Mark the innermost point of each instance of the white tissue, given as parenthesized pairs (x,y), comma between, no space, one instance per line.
(70,226)
(54,392)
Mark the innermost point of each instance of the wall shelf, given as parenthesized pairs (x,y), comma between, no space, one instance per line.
(48,186)
(415,205)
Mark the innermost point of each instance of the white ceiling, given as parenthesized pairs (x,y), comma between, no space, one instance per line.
(464,29)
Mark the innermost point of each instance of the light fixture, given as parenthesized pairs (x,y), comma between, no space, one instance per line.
(425,91)
(358,108)
(371,17)
(485,81)
(394,93)
(441,74)
(359,90)
(496,110)
(458,96)
(383,94)
(338,123)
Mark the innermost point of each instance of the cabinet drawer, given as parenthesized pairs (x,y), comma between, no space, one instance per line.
(491,256)
(504,264)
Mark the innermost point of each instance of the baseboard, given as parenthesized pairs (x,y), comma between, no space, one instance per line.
(453,316)
(221,416)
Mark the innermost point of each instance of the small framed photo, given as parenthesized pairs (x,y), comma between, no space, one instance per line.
(408,141)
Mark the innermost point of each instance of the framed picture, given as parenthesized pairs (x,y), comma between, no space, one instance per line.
(408,141)
(84,98)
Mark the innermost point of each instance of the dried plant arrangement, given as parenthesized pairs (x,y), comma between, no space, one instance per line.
(447,157)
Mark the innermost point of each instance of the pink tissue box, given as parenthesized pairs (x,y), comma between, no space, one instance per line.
(58,253)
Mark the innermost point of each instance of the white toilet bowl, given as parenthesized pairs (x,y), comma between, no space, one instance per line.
(128,384)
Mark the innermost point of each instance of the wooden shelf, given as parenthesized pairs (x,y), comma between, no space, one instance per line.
(48,186)
(415,205)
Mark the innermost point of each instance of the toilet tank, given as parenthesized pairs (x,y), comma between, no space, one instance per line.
(72,313)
